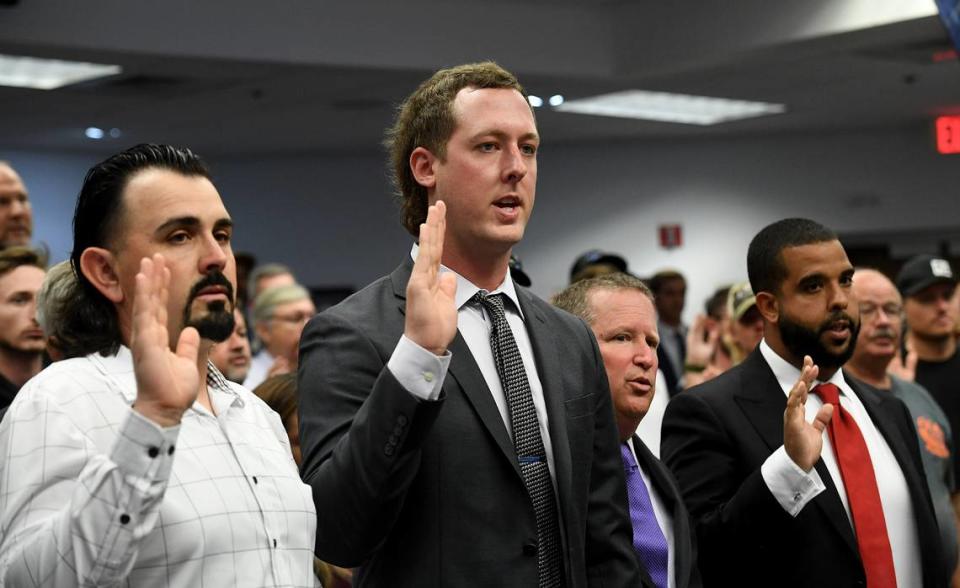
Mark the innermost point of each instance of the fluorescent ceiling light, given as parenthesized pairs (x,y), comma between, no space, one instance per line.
(667,107)
(49,74)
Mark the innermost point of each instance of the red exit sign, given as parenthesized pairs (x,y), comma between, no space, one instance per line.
(948,134)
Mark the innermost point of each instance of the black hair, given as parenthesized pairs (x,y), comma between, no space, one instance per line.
(96,223)
(765,266)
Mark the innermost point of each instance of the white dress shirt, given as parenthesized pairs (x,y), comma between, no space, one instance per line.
(93,493)
(649,428)
(794,488)
(664,518)
(260,365)
(421,372)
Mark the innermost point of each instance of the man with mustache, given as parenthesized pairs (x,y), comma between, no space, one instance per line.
(881,314)
(794,474)
(16,216)
(135,462)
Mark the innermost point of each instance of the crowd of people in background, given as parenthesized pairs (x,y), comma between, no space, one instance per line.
(174,414)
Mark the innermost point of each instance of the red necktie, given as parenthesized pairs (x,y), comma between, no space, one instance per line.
(856,469)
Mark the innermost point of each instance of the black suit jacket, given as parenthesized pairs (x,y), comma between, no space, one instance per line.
(684,543)
(430,493)
(715,438)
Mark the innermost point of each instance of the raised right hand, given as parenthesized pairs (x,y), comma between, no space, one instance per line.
(803,441)
(431,315)
(905,369)
(167,382)
(702,341)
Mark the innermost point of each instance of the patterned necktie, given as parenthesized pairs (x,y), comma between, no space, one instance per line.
(859,479)
(648,539)
(526,441)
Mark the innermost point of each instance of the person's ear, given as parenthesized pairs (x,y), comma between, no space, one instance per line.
(98,266)
(263,333)
(768,306)
(423,167)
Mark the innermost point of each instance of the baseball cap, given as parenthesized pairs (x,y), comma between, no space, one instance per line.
(923,271)
(597,257)
(740,299)
(516,272)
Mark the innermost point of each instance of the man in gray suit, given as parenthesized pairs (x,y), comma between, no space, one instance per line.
(457,430)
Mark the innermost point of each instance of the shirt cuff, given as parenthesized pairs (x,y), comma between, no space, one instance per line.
(418,370)
(143,449)
(791,486)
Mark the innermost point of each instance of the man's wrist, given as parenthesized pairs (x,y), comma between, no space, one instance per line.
(162,416)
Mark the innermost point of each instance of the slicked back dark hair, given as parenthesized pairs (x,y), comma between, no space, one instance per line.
(96,223)
(765,266)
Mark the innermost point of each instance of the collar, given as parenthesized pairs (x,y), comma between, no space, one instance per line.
(787,375)
(120,366)
(466,289)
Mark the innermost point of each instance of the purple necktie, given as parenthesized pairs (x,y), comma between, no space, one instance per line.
(648,539)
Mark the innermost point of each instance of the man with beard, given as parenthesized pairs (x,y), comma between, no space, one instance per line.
(927,284)
(795,475)
(138,463)
(21,338)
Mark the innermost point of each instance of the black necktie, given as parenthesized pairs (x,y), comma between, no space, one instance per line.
(526,441)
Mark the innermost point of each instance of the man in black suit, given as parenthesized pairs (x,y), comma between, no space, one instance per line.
(457,430)
(794,475)
(619,309)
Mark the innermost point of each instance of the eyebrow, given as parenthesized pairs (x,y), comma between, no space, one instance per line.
(190,222)
(502,135)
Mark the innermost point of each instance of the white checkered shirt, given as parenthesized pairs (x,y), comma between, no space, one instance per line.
(93,494)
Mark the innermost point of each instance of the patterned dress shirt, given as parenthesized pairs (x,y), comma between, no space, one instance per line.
(94,494)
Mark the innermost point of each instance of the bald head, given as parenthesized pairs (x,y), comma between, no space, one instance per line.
(16,217)
(881,317)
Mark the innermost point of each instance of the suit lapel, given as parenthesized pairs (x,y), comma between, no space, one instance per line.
(667,492)
(762,400)
(546,353)
(463,368)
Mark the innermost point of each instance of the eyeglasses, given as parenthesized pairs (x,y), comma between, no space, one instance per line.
(891,309)
(293,319)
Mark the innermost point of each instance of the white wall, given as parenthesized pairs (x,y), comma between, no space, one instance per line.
(614,196)
(331,217)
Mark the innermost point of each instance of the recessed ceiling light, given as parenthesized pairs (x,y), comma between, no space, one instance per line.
(115,133)
(556,100)
(667,107)
(49,74)
(94,133)
(535,101)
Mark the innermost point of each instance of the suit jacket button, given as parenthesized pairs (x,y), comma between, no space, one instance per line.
(402,420)
(388,450)
(530,548)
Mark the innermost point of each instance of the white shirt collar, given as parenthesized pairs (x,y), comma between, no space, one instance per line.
(466,289)
(121,366)
(787,375)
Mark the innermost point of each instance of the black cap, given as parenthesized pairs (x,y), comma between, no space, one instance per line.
(923,271)
(597,257)
(516,272)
